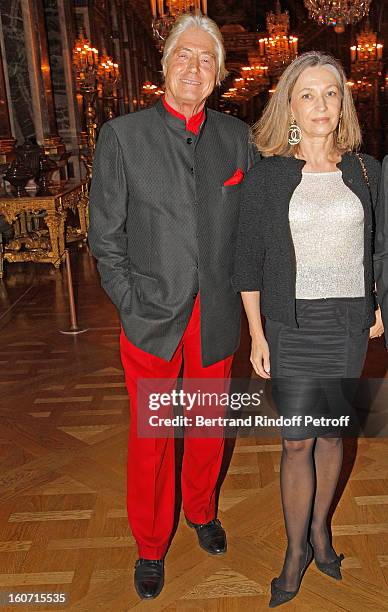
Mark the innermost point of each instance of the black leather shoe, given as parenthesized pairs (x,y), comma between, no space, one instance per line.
(149,578)
(211,536)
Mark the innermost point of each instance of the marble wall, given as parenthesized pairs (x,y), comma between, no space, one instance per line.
(37,39)
(18,75)
(57,66)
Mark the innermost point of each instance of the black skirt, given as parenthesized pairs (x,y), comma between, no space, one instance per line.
(315,368)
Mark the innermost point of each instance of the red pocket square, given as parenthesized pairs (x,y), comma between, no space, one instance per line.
(235,179)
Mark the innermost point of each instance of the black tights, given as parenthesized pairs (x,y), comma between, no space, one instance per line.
(308,479)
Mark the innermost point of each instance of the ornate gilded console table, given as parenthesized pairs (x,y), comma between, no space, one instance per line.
(45,246)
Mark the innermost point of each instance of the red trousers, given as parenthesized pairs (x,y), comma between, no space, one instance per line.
(151,462)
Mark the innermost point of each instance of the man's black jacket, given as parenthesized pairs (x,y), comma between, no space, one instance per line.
(163,226)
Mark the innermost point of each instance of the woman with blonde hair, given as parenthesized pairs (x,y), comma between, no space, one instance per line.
(304,260)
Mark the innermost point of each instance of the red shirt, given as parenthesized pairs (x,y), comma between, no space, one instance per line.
(193,124)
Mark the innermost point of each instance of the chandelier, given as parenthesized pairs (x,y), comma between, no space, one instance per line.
(165,12)
(253,80)
(237,93)
(94,71)
(337,13)
(150,93)
(278,49)
(86,63)
(366,62)
(96,75)
(108,70)
(109,79)
(255,76)
(367,51)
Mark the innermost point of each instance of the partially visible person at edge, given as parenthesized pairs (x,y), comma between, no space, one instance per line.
(164,213)
(381,245)
(304,260)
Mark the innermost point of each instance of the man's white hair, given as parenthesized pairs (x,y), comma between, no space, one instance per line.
(190,20)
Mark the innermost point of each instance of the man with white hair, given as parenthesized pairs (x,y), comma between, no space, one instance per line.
(164,210)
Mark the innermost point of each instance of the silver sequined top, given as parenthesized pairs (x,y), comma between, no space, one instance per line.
(327,227)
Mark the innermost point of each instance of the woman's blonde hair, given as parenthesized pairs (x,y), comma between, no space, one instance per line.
(196,20)
(271,131)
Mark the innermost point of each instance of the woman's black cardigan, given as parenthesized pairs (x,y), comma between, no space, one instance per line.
(265,256)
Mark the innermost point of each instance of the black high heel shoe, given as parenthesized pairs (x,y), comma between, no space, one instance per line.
(279,596)
(333,568)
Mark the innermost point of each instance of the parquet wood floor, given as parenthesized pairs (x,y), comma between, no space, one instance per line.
(63,432)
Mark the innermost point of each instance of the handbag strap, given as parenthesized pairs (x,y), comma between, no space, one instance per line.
(364,171)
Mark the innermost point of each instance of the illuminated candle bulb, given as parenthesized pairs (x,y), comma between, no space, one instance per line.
(379,52)
(261,46)
(353,54)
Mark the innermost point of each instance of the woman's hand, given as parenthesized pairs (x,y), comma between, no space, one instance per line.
(260,357)
(259,348)
(378,328)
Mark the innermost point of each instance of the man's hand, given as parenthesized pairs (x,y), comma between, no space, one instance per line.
(378,328)
(260,357)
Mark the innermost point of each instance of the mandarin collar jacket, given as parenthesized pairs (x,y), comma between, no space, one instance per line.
(163,226)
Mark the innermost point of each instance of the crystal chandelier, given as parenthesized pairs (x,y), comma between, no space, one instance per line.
(165,12)
(337,13)
(367,50)
(366,61)
(278,49)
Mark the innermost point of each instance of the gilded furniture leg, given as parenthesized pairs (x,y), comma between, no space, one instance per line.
(82,206)
(53,225)
(61,238)
(23,223)
(87,211)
